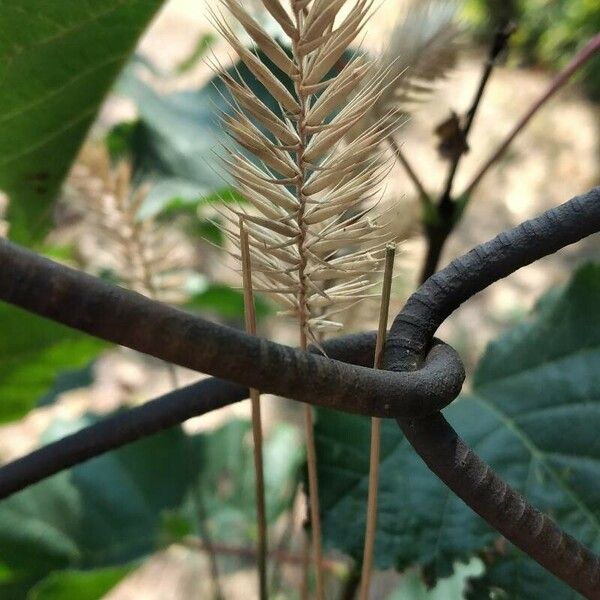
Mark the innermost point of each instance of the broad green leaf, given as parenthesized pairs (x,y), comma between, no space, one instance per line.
(122,506)
(102,513)
(226,302)
(33,352)
(175,198)
(78,585)
(453,588)
(177,135)
(57,62)
(533,414)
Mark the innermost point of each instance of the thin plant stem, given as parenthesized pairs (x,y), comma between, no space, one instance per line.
(371,527)
(217,592)
(303,309)
(582,57)
(209,545)
(313,491)
(439,232)
(250,320)
(200,509)
(305,586)
(496,49)
(282,545)
(412,174)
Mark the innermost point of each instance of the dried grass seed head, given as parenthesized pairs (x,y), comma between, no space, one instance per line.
(142,253)
(307,179)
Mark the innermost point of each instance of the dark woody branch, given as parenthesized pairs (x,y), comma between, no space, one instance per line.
(130,319)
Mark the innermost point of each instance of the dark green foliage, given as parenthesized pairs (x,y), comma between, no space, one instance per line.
(33,352)
(176,136)
(533,414)
(226,302)
(102,513)
(121,507)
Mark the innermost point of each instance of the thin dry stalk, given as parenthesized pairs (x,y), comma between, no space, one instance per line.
(305,587)
(376,429)
(250,318)
(582,57)
(313,492)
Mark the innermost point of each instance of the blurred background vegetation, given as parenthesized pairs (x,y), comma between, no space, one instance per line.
(139,207)
(549,32)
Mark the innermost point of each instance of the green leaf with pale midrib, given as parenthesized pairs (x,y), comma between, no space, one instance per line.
(57,62)
(570,325)
(533,414)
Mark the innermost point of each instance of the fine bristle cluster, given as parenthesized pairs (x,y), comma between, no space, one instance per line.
(134,249)
(311,177)
(424,46)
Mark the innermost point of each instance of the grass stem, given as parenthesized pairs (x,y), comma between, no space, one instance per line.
(250,320)
(371,527)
